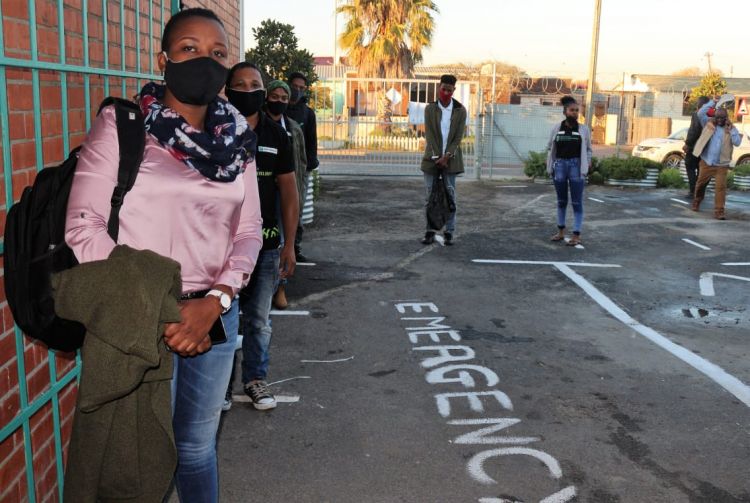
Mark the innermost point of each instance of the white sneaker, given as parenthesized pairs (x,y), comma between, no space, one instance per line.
(262,398)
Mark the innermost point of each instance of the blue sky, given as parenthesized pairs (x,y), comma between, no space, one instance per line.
(554,37)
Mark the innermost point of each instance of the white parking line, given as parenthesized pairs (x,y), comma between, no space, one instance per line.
(277,312)
(736,263)
(679,201)
(306,264)
(328,361)
(510,186)
(542,262)
(710,370)
(697,245)
(707,282)
(597,200)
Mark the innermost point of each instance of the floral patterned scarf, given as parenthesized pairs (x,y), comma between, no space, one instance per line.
(219,152)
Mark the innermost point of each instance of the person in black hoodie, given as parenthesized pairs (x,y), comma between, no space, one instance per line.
(691,162)
(303,115)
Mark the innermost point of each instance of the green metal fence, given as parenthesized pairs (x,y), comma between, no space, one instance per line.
(143,10)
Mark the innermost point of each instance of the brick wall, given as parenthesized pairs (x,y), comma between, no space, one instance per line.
(24,162)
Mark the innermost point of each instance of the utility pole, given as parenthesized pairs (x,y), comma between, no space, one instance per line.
(592,63)
(708,57)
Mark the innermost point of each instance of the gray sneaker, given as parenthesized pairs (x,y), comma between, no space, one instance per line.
(227,401)
(259,394)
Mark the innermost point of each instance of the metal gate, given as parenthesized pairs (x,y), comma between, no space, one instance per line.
(58,59)
(376,126)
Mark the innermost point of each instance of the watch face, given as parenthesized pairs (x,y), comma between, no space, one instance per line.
(226,301)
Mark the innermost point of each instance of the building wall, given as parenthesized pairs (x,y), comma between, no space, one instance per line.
(37,135)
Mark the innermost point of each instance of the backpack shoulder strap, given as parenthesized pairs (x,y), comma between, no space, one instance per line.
(131,138)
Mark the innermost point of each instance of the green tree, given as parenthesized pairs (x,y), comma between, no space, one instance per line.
(385,38)
(277,52)
(321,97)
(712,84)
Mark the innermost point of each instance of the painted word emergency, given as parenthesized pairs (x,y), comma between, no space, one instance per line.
(448,362)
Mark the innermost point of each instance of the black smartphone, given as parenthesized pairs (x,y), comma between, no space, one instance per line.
(217,333)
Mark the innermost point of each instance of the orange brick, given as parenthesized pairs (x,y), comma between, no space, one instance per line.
(41,425)
(52,149)
(46,13)
(20,96)
(10,404)
(8,445)
(16,35)
(20,182)
(37,382)
(21,125)
(11,467)
(17,9)
(51,99)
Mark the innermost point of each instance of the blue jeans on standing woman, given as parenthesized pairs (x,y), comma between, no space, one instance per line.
(568,174)
(198,390)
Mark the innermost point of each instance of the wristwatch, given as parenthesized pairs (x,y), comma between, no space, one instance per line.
(224,299)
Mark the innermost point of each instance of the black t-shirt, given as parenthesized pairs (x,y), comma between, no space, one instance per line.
(568,142)
(273,158)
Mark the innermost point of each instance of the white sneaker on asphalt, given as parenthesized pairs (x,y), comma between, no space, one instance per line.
(258,392)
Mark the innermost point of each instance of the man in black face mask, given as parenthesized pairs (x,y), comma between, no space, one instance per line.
(277,102)
(275,168)
(305,117)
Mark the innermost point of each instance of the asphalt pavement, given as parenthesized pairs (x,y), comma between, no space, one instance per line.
(505,368)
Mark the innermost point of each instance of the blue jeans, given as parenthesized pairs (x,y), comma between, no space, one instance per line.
(568,173)
(255,303)
(198,393)
(450,184)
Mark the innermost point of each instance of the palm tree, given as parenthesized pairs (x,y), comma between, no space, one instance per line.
(385,38)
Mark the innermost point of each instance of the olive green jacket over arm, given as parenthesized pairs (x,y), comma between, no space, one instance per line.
(122,446)
(300,160)
(434,138)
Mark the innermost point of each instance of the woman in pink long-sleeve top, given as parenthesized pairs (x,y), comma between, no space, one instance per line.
(195,200)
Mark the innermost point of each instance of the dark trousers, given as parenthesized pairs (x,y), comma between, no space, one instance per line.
(692,167)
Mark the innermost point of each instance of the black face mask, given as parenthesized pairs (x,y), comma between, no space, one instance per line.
(247,102)
(296,95)
(195,81)
(276,107)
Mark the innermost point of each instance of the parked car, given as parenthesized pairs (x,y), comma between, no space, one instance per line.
(668,151)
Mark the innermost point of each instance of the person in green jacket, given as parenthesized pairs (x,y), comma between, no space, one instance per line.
(445,123)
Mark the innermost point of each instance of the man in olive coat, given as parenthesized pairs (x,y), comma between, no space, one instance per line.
(445,122)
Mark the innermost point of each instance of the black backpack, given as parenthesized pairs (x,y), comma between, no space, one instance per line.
(35,234)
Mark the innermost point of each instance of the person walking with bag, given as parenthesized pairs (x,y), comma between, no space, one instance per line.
(568,163)
(195,200)
(445,123)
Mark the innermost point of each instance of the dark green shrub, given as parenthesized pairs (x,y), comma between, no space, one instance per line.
(630,168)
(535,166)
(596,178)
(671,178)
(730,180)
(742,170)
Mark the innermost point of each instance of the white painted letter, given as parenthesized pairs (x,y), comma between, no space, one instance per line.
(475,465)
(434,335)
(444,405)
(481,436)
(416,307)
(437,376)
(433,323)
(446,356)
(562,496)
